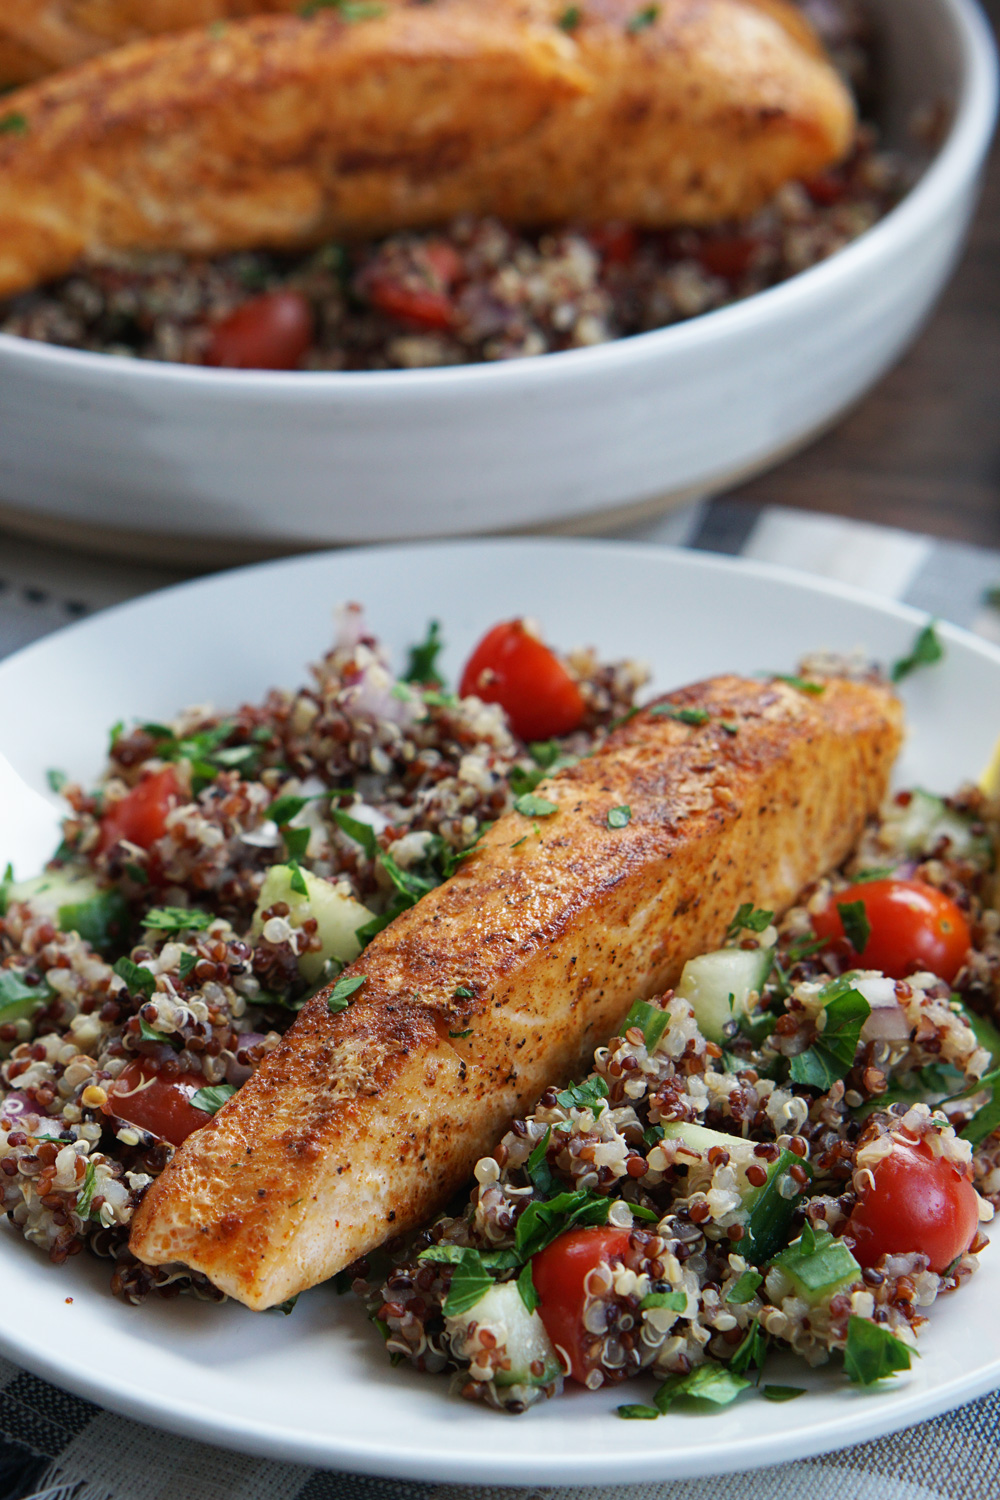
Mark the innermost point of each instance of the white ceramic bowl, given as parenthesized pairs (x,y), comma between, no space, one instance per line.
(292,459)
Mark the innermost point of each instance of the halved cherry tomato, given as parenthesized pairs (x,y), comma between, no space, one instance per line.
(825,190)
(560,1272)
(919,1202)
(420,305)
(730,257)
(913,926)
(141,815)
(271,332)
(512,667)
(161,1105)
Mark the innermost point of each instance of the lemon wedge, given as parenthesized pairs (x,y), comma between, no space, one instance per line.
(989,781)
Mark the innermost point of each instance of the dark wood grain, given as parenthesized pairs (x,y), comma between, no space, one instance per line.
(922,451)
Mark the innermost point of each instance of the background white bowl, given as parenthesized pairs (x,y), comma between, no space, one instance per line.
(286,460)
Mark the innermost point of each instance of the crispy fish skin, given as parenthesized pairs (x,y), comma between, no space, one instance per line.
(360,1125)
(282,131)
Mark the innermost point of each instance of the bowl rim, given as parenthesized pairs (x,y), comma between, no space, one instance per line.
(951,170)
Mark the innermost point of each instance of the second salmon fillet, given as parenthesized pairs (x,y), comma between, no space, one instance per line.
(503,980)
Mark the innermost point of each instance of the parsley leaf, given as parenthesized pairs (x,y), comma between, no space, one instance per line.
(531,806)
(925,651)
(526,1287)
(857,928)
(586,1095)
(569,21)
(461,993)
(536,1168)
(343,990)
(745,1289)
(802,683)
(675,1301)
(670,710)
(212,1097)
(422,665)
(831,1055)
(720,1384)
(752,1351)
(782,1392)
(284,809)
(297,879)
(873,1353)
(634,1411)
(139,980)
(178,919)
(751,918)
(56,780)
(874,872)
(458,1035)
(620,817)
(14,124)
(542,1222)
(296,841)
(361,833)
(470,1281)
(187,963)
(643,18)
(85,1196)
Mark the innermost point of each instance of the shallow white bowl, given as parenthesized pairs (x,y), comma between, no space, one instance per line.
(292,459)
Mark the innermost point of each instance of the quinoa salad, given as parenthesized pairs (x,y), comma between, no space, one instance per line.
(475,290)
(795,1148)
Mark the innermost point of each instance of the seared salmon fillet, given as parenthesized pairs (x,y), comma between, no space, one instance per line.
(501,981)
(281,131)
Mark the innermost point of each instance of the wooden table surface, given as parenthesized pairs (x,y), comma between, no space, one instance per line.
(922,451)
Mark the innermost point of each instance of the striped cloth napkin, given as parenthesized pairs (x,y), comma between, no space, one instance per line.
(57,1446)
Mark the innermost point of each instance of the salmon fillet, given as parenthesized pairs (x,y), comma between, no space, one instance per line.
(503,980)
(281,131)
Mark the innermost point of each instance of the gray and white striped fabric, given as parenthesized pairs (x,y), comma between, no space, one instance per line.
(56,1446)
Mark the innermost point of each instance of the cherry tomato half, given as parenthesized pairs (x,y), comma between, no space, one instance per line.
(615,243)
(141,815)
(919,1202)
(271,332)
(160,1105)
(913,927)
(559,1273)
(512,667)
(419,305)
(731,258)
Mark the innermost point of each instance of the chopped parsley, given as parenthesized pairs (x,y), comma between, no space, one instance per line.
(674,1301)
(874,872)
(88,1187)
(620,817)
(461,993)
(831,1055)
(749,918)
(139,980)
(56,780)
(634,1411)
(361,833)
(458,1035)
(349,10)
(542,1222)
(187,963)
(752,1351)
(587,1095)
(531,806)
(570,18)
(14,124)
(643,19)
(857,928)
(343,990)
(212,1097)
(670,710)
(284,809)
(536,1168)
(925,651)
(802,683)
(873,1353)
(782,1392)
(422,664)
(178,919)
(713,1382)
(526,1287)
(745,1289)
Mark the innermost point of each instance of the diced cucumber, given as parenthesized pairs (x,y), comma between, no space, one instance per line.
(47,892)
(75,899)
(818,1266)
(718,986)
(927,818)
(337,915)
(768,1207)
(522,1333)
